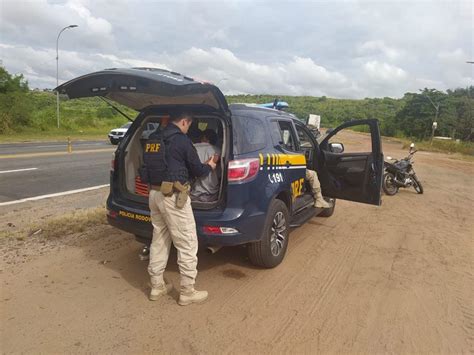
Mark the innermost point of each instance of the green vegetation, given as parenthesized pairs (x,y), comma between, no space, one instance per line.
(410,116)
(27,115)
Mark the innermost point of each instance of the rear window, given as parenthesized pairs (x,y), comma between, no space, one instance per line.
(248,134)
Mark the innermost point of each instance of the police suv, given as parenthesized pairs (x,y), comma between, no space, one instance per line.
(265,153)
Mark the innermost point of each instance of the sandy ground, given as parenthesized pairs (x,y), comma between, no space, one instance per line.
(390,279)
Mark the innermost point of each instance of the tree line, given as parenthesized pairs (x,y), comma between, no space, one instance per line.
(410,116)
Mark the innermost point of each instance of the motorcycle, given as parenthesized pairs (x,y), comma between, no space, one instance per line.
(400,173)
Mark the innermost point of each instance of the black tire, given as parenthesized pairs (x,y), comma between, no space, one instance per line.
(271,249)
(417,184)
(328,212)
(114,141)
(387,184)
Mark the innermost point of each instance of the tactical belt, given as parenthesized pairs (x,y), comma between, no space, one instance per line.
(168,188)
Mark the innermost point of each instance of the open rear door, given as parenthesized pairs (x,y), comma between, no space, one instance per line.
(351,163)
(139,88)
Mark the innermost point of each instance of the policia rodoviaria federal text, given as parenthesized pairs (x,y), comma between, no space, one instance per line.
(170,162)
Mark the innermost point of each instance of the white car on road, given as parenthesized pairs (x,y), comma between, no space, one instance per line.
(117,134)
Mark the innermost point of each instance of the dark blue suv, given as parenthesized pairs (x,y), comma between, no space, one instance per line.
(265,154)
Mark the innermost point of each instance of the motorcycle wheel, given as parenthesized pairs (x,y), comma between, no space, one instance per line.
(388,184)
(417,184)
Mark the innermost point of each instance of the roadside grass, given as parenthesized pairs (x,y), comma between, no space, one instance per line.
(57,227)
(76,222)
(441,146)
(87,118)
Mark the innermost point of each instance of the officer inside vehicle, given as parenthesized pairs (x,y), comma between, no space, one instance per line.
(171,161)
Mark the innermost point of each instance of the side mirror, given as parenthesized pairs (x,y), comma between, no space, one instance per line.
(336,148)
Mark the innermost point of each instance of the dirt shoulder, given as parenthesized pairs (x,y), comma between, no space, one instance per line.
(391,279)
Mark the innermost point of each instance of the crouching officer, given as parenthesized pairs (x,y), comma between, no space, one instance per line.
(170,161)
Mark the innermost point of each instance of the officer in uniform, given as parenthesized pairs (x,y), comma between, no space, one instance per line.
(319,201)
(172,217)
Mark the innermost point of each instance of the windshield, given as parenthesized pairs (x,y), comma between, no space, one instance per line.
(126,125)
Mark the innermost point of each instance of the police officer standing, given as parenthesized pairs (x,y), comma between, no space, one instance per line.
(171,213)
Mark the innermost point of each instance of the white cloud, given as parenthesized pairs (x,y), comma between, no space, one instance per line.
(37,23)
(374,48)
(384,72)
(450,61)
(338,49)
(299,76)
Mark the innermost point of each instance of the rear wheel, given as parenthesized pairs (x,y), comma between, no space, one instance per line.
(271,249)
(388,184)
(417,184)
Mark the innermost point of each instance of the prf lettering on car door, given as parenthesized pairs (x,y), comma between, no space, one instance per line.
(297,188)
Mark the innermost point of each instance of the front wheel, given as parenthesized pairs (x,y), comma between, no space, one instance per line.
(271,249)
(417,184)
(389,185)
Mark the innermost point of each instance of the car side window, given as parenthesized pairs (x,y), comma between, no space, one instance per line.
(288,139)
(248,134)
(305,140)
(306,145)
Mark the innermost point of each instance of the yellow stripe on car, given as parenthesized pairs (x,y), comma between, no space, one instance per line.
(291,159)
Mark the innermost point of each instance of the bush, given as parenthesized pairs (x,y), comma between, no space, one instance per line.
(15,111)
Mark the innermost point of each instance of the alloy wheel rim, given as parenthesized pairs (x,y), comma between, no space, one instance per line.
(278,231)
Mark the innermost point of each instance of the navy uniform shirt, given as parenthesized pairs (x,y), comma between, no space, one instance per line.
(181,156)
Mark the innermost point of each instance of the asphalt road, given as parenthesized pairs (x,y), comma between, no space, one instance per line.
(38,147)
(36,169)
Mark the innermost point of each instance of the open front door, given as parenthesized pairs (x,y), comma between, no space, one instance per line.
(351,163)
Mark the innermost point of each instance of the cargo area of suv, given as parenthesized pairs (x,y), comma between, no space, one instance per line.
(131,186)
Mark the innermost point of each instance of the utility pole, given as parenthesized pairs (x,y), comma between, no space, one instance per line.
(435,122)
(57,69)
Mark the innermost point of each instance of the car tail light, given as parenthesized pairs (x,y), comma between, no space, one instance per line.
(219,230)
(211,230)
(113,163)
(243,170)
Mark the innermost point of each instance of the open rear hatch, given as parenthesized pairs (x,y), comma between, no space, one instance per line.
(139,88)
(152,92)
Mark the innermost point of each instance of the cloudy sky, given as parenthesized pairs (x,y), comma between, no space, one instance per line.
(343,49)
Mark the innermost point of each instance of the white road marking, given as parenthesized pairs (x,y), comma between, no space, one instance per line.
(70,192)
(14,171)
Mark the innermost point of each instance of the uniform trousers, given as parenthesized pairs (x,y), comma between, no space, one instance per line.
(313,180)
(172,225)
